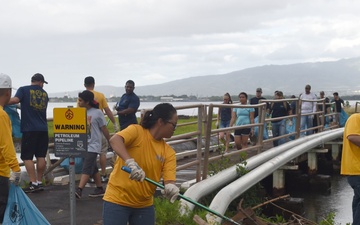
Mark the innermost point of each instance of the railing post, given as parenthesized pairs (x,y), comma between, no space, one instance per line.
(298,118)
(201,110)
(261,120)
(208,124)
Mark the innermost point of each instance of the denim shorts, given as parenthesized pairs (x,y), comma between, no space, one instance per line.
(115,214)
(224,123)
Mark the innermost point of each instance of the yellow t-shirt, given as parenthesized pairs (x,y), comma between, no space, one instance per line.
(155,157)
(350,160)
(8,158)
(100,98)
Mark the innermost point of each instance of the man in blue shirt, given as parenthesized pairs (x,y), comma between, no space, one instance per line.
(35,140)
(127,106)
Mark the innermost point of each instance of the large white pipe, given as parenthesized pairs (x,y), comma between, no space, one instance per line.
(222,200)
(228,175)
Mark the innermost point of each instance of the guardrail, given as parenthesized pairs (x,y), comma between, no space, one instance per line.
(204,131)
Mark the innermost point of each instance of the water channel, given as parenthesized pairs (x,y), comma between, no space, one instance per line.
(318,206)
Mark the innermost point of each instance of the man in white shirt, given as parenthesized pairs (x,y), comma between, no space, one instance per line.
(306,121)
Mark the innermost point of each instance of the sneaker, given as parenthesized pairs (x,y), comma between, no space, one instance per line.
(40,187)
(98,192)
(33,188)
(104,179)
(78,193)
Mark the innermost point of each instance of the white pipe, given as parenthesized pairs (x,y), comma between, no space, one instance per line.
(228,175)
(222,200)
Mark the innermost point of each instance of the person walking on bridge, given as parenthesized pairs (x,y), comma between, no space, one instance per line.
(35,140)
(242,116)
(306,121)
(350,161)
(223,121)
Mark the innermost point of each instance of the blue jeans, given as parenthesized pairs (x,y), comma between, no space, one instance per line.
(114,214)
(278,129)
(306,122)
(354,182)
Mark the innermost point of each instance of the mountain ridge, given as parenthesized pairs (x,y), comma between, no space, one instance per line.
(342,76)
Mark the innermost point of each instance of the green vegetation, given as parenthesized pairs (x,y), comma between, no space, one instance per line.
(169,213)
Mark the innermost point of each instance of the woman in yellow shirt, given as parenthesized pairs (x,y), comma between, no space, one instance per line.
(143,150)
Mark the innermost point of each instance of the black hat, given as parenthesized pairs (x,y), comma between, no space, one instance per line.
(89,80)
(38,77)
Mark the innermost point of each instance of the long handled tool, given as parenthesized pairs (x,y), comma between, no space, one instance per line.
(128,170)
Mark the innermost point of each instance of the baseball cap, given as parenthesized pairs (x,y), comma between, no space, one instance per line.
(38,77)
(5,81)
(258,90)
(89,80)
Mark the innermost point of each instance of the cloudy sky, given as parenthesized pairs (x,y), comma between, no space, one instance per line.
(156,41)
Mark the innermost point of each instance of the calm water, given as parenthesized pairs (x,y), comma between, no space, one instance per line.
(317,206)
(143,105)
(147,105)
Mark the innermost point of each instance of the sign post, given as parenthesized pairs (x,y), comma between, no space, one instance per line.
(70,140)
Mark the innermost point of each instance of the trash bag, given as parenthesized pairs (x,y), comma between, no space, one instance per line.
(20,210)
(290,128)
(78,165)
(256,129)
(11,110)
(343,118)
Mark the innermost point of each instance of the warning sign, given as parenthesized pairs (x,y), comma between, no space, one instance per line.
(70,132)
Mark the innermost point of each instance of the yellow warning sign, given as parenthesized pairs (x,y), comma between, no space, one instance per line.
(70,120)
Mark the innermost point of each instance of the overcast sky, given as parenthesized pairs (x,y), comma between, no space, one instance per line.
(156,41)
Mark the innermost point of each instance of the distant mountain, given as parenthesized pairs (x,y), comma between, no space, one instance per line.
(342,76)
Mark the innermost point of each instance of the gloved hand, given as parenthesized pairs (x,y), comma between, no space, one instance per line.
(217,124)
(171,192)
(136,172)
(15,178)
(312,117)
(116,127)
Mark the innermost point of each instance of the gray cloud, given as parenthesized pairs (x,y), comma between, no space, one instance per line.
(158,41)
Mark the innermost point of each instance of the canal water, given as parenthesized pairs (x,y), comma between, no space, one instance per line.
(318,206)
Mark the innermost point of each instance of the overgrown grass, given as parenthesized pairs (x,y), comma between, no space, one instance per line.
(169,213)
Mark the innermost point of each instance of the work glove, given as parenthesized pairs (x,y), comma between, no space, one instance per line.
(171,192)
(116,127)
(15,178)
(136,172)
(217,124)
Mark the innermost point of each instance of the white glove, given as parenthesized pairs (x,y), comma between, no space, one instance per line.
(217,124)
(136,172)
(171,192)
(15,178)
(116,127)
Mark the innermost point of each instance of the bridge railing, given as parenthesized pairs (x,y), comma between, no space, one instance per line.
(204,131)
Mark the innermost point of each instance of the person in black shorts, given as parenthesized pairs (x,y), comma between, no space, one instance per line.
(34,100)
